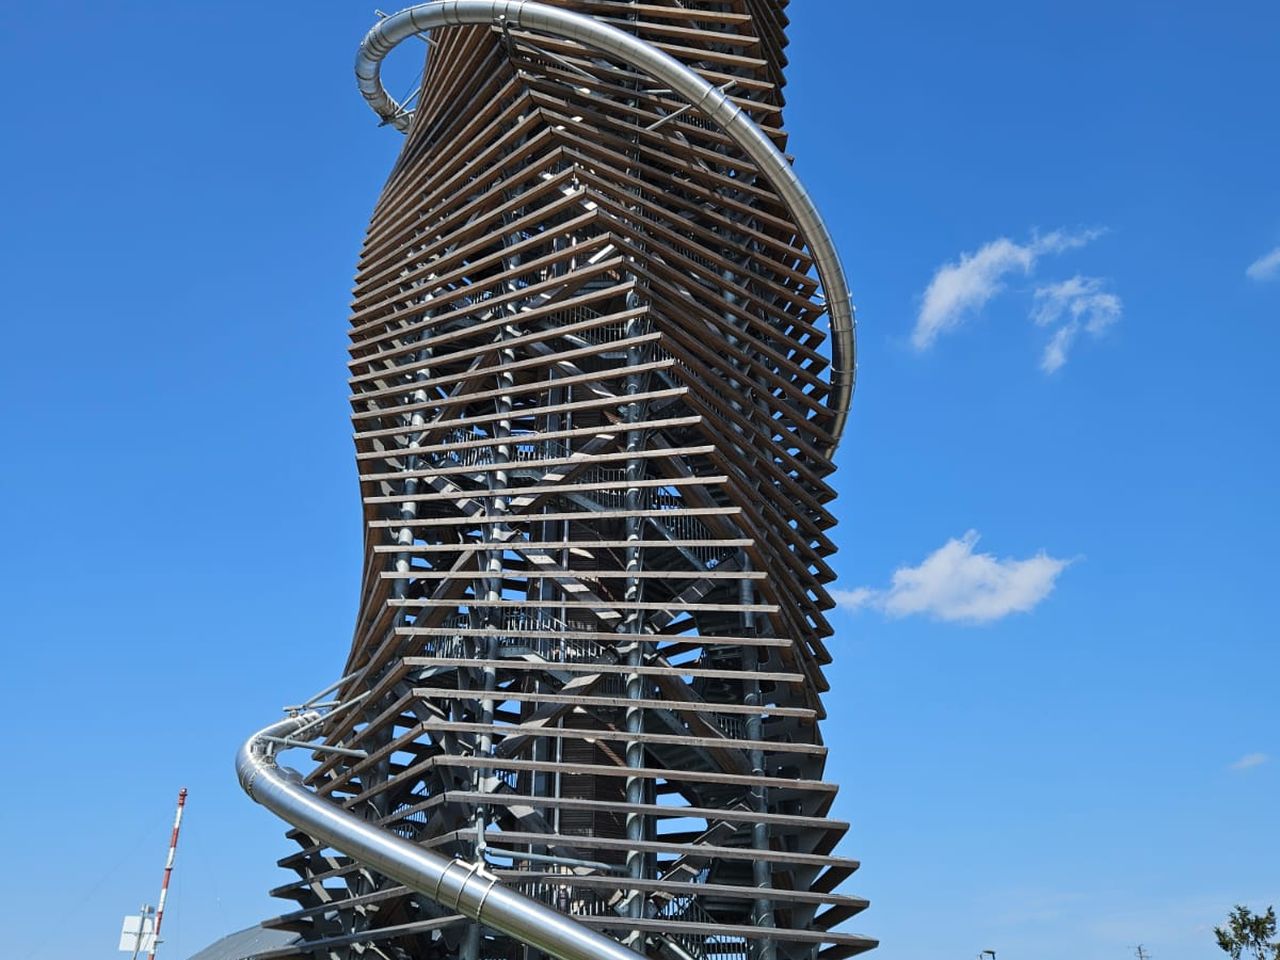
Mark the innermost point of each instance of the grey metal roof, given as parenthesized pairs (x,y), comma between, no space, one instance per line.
(245,944)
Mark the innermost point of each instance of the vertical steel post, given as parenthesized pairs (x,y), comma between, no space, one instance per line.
(142,926)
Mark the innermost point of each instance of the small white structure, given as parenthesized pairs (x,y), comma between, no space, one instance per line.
(138,934)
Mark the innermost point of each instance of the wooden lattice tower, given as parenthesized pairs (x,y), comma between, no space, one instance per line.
(593,432)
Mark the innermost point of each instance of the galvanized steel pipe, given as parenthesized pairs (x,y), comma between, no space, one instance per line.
(465,888)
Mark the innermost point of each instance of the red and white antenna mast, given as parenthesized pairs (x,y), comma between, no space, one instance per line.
(168,870)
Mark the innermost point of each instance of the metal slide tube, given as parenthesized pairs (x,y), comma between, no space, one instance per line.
(710,101)
(466,888)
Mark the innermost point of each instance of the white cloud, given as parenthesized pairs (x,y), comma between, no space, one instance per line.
(853,599)
(1250,760)
(1055,351)
(1082,298)
(1083,304)
(1266,267)
(958,289)
(956,584)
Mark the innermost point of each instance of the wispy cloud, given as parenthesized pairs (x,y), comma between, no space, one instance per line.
(956,584)
(1266,267)
(1250,760)
(1110,919)
(1178,925)
(1078,304)
(960,289)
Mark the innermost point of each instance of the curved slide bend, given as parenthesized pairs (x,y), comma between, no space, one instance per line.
(706,99)
(465,887)
(468,888)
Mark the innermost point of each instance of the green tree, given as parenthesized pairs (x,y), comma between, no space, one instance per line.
(1249,934)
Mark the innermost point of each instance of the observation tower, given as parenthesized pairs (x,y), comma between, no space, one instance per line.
(601,355)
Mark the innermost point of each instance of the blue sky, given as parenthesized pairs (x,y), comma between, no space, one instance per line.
(1054,713)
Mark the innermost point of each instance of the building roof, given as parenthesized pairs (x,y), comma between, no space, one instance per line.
(245,944)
